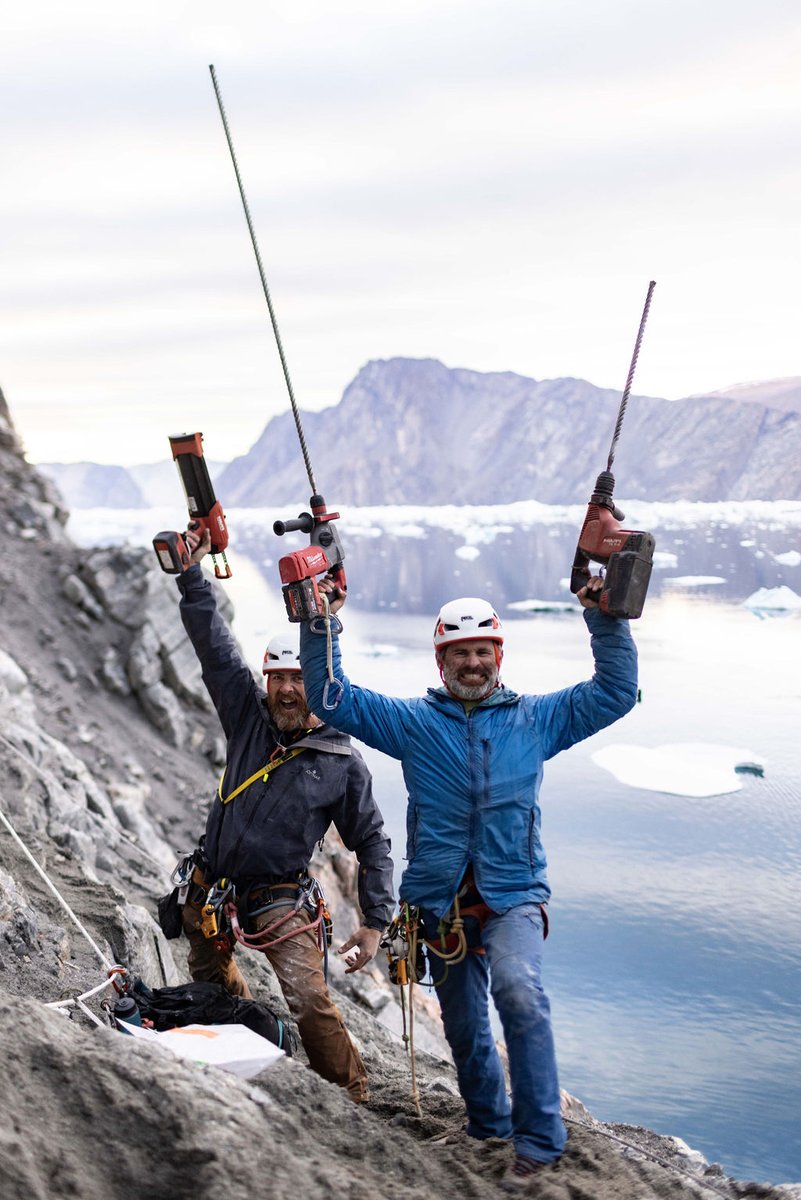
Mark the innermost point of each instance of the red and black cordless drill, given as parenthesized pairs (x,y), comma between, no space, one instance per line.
(205,510)
(626,556)
(323,556)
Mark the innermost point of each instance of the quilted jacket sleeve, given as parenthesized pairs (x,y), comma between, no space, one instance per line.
(576,713)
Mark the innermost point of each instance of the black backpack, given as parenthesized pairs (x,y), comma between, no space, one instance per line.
(209,1004)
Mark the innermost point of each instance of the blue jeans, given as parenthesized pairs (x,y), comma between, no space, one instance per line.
(511,971)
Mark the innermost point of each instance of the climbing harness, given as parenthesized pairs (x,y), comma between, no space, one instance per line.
(305,894)
(228,916)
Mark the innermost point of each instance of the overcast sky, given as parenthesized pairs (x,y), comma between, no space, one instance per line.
(489,184)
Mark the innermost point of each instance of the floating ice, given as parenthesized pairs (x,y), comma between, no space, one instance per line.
(380,650)
(693,581)
(778,599)
(467,552)
(535,606)
(683,769)
(791,558)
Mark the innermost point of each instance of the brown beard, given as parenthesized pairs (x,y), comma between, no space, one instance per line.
(463,692)
(290,722)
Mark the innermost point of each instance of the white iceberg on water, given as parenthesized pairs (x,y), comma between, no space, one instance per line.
(774,600)
(683,769)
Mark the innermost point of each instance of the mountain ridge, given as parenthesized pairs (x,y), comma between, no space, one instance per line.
(413,431)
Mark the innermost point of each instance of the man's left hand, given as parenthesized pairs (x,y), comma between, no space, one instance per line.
(366,942)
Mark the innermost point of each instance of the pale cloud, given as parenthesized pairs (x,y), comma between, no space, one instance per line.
(489,185)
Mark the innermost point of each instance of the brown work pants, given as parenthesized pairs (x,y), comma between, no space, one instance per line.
(298,966)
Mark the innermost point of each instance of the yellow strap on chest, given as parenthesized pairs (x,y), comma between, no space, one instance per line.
(263,773)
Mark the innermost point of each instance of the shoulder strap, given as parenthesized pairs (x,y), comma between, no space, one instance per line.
(263,773)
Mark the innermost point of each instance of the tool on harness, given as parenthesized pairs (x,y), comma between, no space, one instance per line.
(404,950)
(406,966)
(205,510)
(625,555)
(324,554)
(220,894)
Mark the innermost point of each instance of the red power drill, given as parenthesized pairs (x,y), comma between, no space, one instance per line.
(323,556)
(627,554)
(205,510)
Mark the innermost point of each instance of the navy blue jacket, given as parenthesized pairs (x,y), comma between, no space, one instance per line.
(269,831)
(474,779)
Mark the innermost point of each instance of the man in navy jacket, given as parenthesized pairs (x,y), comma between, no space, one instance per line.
(472,754)
(288,777)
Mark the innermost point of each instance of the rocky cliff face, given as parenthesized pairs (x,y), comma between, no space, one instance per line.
(108,757)
(416,432)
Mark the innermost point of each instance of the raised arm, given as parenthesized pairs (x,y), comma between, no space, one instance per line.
(576,713)
(228,679)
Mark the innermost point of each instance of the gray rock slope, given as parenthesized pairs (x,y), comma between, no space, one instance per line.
(108,756)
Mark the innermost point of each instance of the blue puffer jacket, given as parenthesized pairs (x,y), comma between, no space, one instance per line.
(474,780)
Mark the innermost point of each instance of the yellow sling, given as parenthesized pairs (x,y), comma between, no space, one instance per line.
(263,772)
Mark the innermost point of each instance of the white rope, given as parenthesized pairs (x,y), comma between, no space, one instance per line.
(105,961)
(68,1001)
(72,1001)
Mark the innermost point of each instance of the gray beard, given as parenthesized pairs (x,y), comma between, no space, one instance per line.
(475,692)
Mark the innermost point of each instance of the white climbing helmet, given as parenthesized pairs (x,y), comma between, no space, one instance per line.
(465,619)
(282,654)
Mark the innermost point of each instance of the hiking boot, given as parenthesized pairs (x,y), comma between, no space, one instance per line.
(520,1175)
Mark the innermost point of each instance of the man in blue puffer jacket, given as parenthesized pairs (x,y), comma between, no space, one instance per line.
(472,754)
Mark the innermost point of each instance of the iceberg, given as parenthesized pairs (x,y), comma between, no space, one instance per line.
(698,769)
(774,600)
(538,606)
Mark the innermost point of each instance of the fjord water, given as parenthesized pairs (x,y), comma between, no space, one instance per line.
(674,963)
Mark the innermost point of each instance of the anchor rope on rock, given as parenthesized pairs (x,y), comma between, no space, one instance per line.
(113,969)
